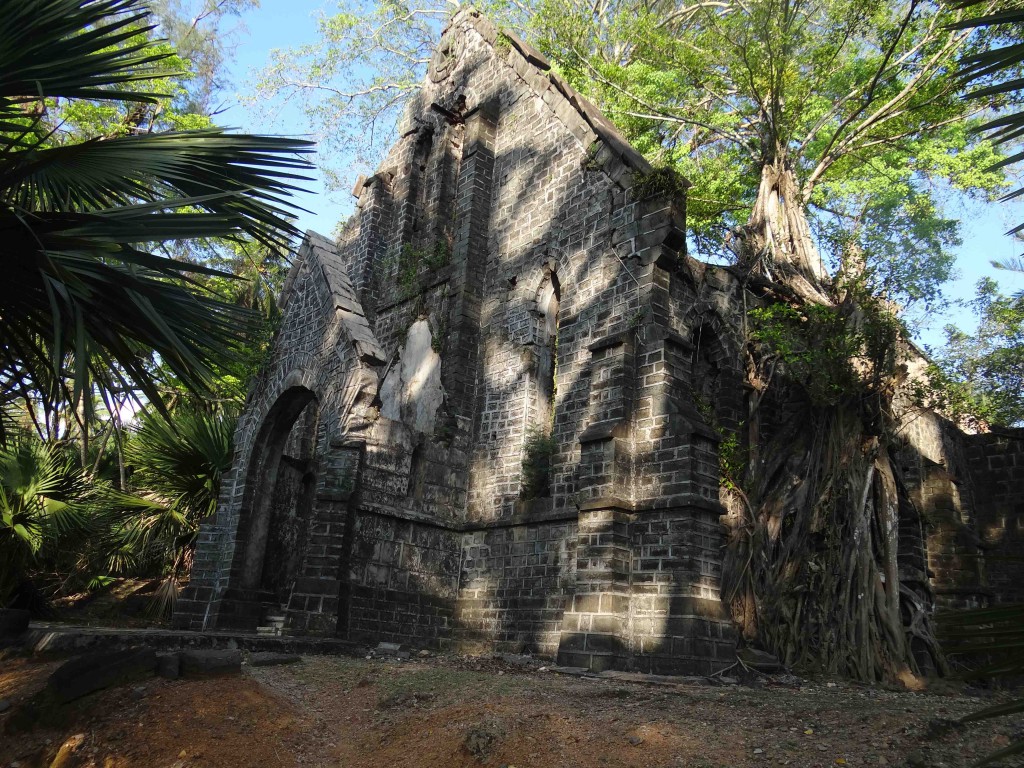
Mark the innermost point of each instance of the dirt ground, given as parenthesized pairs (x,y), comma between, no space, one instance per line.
(460,711)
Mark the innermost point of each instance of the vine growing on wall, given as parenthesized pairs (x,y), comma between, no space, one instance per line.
(539,449)
(665,181)
(411,259)
(834,351)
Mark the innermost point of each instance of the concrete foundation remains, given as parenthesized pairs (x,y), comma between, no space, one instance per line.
(494,406)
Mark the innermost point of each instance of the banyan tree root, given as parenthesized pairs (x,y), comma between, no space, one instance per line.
(811,569)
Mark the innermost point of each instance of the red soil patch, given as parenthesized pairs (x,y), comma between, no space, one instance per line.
(452,712)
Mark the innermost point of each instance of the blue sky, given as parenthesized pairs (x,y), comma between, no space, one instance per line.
(290,23)
(280,24)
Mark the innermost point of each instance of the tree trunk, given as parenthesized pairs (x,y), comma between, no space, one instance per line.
(777,238)
(811,570)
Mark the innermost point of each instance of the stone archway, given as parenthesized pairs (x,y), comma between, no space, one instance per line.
(279,495)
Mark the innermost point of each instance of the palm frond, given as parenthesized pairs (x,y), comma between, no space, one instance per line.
(84,289)
(998,63)
(182,460)
(241,178)
(73,49)
(44,498)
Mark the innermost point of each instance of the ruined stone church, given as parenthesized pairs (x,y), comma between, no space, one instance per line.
(493,409)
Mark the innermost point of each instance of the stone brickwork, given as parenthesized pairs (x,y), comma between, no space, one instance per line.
(995,463)
(963,538)
(516,581)
(402,581)
(495,407)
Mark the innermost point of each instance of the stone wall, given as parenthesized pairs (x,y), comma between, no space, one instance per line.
(995,462)
(963,538)
(403,577)
(514,585)
(497,406)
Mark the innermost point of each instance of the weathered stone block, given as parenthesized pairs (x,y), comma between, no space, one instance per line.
(95,671)
(210,663)
(168,665)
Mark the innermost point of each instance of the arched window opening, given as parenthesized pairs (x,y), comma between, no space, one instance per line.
(419,182)
(539,447)
(417,473)
(548,301)
(706,374)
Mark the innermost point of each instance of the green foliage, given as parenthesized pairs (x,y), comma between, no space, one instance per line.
(439,256)
(502,44)
(855,99)
(731,462)
(127,219)
(438,337)
(408,267)
(834,352)
(65,528)
(353,81)
(980,375)
(411,259)
(954,399)
(178,467)
(590,162)
(86,298)
(538,451)
(664,181)
(252,277)
(197,31)
(48,509)
(181,462)
(731,459)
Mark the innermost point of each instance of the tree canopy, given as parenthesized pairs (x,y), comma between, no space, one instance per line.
(815,133)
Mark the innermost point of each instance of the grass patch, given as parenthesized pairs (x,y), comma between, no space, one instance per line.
(440,682)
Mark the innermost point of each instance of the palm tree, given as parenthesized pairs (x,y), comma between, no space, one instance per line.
(177,470)
(84,297)
(44,499)
(997,70)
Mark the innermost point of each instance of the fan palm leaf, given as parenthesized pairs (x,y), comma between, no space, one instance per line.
(182,460)
(84,289)
(179,464)
(995,73)
(43,498)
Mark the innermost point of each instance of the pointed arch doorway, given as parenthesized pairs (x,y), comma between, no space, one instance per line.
(278,501)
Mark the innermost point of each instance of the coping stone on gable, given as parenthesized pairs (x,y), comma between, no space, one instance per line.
(350,311)
(530,53)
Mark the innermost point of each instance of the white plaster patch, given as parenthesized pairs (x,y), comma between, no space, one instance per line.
(412,392)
